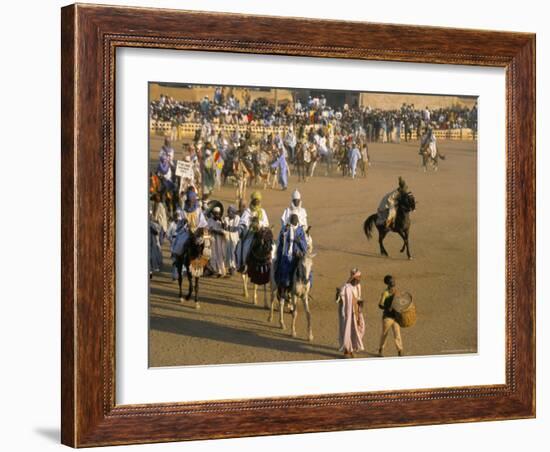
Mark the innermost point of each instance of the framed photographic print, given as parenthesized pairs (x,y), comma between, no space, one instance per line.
(280,225)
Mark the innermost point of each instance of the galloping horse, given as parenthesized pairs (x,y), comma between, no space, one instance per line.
(258,263)
(194,258)
(401,224)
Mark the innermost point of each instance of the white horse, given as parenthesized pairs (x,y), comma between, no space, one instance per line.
(300,287)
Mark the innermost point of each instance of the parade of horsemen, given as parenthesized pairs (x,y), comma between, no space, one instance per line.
(292,225)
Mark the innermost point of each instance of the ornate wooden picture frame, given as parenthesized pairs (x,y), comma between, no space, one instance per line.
(90,37)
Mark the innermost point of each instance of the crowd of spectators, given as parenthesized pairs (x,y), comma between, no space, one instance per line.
(226,108)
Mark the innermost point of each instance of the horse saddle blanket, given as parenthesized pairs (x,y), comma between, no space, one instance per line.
(259,274)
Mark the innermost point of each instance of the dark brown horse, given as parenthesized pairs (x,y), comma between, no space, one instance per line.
(258,263)
(194,260)
(401,224)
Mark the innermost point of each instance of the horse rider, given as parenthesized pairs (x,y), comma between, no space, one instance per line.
(164,172)
(295,208)
(253,218)
(193,215)
(290,143)
(388,206)
(190,218)
(292,245)
(168,151)
(428,142)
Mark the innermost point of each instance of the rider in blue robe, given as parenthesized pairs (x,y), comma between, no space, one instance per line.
(291,246)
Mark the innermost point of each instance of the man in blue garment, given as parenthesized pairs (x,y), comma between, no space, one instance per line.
(282,166)
(292,246)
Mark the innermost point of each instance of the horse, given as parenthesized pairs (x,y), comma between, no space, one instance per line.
(263,172)
(401,224)
(241,175)
(168,195)
(258,267)
(244,173)
(301,285)
(194,258)
(299,289)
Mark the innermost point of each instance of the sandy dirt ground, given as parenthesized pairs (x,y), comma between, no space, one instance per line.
(441,276)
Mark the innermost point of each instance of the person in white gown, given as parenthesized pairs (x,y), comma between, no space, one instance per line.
(295,207)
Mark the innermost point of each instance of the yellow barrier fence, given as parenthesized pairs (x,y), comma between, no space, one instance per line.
(183,131)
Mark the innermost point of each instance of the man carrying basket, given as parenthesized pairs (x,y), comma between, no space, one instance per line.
(389,317)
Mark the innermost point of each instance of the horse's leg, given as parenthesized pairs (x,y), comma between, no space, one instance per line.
(270,318)
(197,304)
(245,286)
(179,266)
(255,297)
(190,280)
(266,306)
(308,314)
(406,244)
(282,296)
(294,313)
(381,234)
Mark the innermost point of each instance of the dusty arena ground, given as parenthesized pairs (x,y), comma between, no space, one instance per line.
(441,276)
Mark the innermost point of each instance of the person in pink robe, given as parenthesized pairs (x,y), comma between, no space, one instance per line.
(350,313)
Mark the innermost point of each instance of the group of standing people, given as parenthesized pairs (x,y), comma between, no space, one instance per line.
(351,314)
(229,235)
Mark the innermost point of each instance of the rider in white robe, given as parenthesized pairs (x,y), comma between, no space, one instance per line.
(295,207)
(429,143)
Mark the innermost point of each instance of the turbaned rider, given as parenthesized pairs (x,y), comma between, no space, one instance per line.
(388,206)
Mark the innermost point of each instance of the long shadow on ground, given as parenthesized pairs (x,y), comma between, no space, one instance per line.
(209,330)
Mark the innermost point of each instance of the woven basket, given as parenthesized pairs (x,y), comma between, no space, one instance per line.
(407,318)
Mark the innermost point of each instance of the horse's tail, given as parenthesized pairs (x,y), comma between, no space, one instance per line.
(369,223)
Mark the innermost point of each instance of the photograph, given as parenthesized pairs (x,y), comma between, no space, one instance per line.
(288,224)
(295,224)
